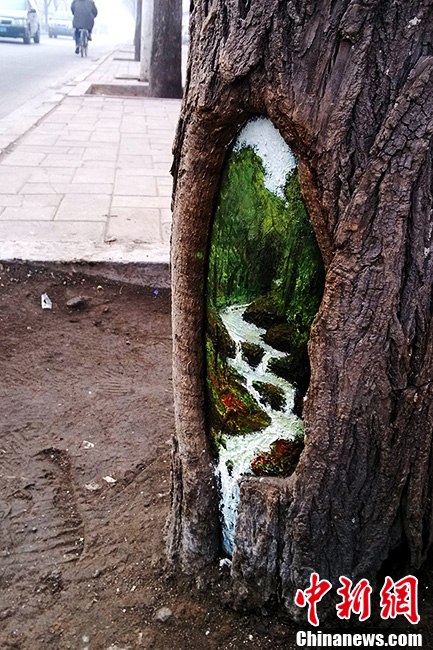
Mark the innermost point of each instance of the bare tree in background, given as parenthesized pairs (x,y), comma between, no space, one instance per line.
(46,6)
(137,35)
(166,54)
(350,87)
(163,64)
(146,39)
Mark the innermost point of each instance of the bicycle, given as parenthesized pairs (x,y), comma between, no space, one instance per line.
(83,42)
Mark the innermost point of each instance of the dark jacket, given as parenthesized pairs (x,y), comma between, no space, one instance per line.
(85,13)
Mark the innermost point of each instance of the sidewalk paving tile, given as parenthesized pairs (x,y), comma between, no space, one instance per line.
(10,173)
(127,201)
(10,184)
(82,207)
(77,152)
(91,179)
(144,223)
(54,231)
(166,231)
(137,186)
(105,136)
(56,149)
(51,175)
(164,190)
(133,147)
(134,162)
(99,153)
(38,188)
(83,188)
(27,213)
(94,175)
(24,158)
(10,200)
(98,164)
(40,201)
(75,135)
(54,160)
(42,139)
(132,171)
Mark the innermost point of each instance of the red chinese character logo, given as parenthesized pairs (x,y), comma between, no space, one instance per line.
(312,595)
(400,598)
(356,600)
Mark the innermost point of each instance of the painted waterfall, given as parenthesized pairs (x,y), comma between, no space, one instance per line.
(264,286)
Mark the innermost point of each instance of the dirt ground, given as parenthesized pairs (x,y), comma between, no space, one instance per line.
(85,430)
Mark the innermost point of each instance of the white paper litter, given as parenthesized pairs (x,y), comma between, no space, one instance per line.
(46,301)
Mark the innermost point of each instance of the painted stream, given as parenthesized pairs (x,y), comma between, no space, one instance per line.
(240,450)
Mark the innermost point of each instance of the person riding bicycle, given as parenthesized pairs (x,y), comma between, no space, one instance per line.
(85,12)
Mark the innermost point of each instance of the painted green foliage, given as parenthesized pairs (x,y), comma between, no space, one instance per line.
(262,250)
(262,244)
(247,233)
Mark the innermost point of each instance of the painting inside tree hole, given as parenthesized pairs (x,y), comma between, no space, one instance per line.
(264,286)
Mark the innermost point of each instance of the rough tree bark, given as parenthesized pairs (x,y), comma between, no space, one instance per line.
(165,79)
(349,84)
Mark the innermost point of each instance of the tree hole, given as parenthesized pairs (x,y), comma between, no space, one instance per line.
(264,286)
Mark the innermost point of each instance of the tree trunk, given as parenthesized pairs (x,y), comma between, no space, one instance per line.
(137,35)
(146,39)
(349,85)
(47,4)
(165,65)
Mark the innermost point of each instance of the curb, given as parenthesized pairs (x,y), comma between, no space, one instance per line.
(152,275)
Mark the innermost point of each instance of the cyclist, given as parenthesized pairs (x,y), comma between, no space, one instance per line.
(85,12)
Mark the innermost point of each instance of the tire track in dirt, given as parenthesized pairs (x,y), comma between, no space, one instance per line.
(41,524)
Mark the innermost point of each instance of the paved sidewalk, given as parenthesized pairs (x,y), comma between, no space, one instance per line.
(90,181)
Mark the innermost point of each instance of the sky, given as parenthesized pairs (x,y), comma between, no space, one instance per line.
(113,16)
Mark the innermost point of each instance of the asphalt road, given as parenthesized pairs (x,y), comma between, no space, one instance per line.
(28,71)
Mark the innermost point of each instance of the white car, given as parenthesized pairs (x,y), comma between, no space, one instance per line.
(19,19)
(60,24)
